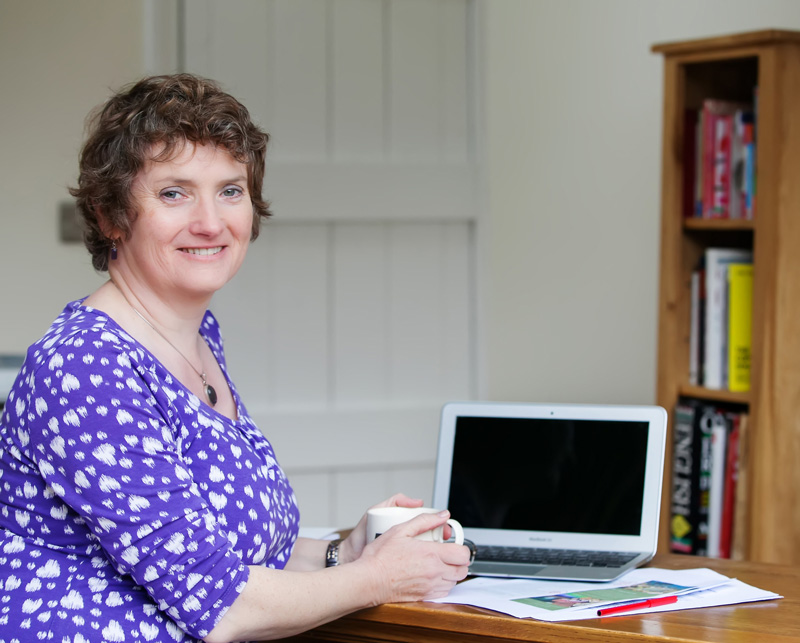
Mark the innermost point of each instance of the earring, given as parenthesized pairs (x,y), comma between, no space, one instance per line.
(113,250)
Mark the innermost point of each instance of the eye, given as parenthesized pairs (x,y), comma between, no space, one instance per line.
(232,192)
(170,194)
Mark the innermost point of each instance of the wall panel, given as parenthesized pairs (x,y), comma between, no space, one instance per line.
(455,21)
(300,89)
(351,322)
(416,80)
(416,328)
(299,343)
(458,346)
(360,314)
(242,59)
(357,84)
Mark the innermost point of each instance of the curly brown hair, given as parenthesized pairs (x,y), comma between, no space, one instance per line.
(151,120)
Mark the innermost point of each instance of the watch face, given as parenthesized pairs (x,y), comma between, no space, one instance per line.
(332,555)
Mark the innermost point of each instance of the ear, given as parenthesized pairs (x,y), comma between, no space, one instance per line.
(109,231)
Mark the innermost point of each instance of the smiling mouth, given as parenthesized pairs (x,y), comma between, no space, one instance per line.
(202,251)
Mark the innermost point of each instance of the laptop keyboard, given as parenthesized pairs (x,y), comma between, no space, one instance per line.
(536,556)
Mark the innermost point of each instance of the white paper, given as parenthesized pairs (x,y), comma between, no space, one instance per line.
(501,594)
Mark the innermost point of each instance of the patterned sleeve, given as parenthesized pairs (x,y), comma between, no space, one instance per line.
(105,443)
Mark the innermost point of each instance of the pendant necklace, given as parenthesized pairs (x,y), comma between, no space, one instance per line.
(211,394)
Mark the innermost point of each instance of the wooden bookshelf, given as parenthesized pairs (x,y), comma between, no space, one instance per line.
(729,67)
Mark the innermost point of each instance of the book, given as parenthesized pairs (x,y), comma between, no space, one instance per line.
(698,165)
(726,420)
(721,173)
(694,328)
(683,504)
(709,121)
(691,464)
(749,171)
(715,323)
(739,531)
(753,188)
(690,120)
(697,323)
(740,318)
(730,488)
(718,424)
(738,169)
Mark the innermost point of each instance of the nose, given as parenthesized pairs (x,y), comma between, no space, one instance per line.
(207,218)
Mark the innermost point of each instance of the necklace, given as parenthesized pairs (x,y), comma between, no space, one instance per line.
(211,394)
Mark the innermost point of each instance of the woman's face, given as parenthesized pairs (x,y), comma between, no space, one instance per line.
(193,224)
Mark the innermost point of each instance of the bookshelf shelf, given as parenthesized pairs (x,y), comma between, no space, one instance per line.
(713,395)
(729,68)
(718,224)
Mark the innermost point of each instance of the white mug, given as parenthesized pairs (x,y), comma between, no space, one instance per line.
(381,519)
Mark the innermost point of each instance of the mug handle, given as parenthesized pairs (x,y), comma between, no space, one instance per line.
(458,531)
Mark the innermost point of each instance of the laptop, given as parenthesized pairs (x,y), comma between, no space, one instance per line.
(553,491)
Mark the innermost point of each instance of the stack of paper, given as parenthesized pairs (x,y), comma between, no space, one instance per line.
(570,601)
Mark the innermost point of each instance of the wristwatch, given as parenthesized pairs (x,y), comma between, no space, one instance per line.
(332,555)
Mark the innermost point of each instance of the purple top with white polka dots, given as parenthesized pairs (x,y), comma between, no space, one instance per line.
(129,509)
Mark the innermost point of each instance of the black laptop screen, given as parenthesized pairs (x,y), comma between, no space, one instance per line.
(575,476)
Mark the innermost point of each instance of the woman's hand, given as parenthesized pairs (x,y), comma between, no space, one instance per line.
(406,569)
(352,547)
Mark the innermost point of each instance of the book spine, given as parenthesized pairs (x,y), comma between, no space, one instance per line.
(737,187)
(712,368)
(722,167)
(740,316)
(694,331)
(703,432)
(701,340)
(719,438)
(724,321)
(755,143)
(709,129)
(689,157)
(749,170)
(691,472)
(731,479)
(698,166)
(716,327)
(739,529)
(683,519)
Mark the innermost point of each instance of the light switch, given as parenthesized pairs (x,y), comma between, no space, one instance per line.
(70,229)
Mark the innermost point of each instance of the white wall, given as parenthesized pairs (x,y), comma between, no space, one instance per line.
(573,122)
(57,61)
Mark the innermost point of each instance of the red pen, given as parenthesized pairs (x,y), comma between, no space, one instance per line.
(652,602)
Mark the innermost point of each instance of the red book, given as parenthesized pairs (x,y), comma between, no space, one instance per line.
(731,477)
(712,111)
(709,129)
(689,162)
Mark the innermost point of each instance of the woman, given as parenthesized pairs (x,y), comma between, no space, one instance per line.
(140,502)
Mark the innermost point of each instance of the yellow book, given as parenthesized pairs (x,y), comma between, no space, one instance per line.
(740,317)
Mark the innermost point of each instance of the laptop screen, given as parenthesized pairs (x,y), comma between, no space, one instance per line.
(546,474)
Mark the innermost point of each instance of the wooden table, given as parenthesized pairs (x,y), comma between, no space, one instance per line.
(775,621)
